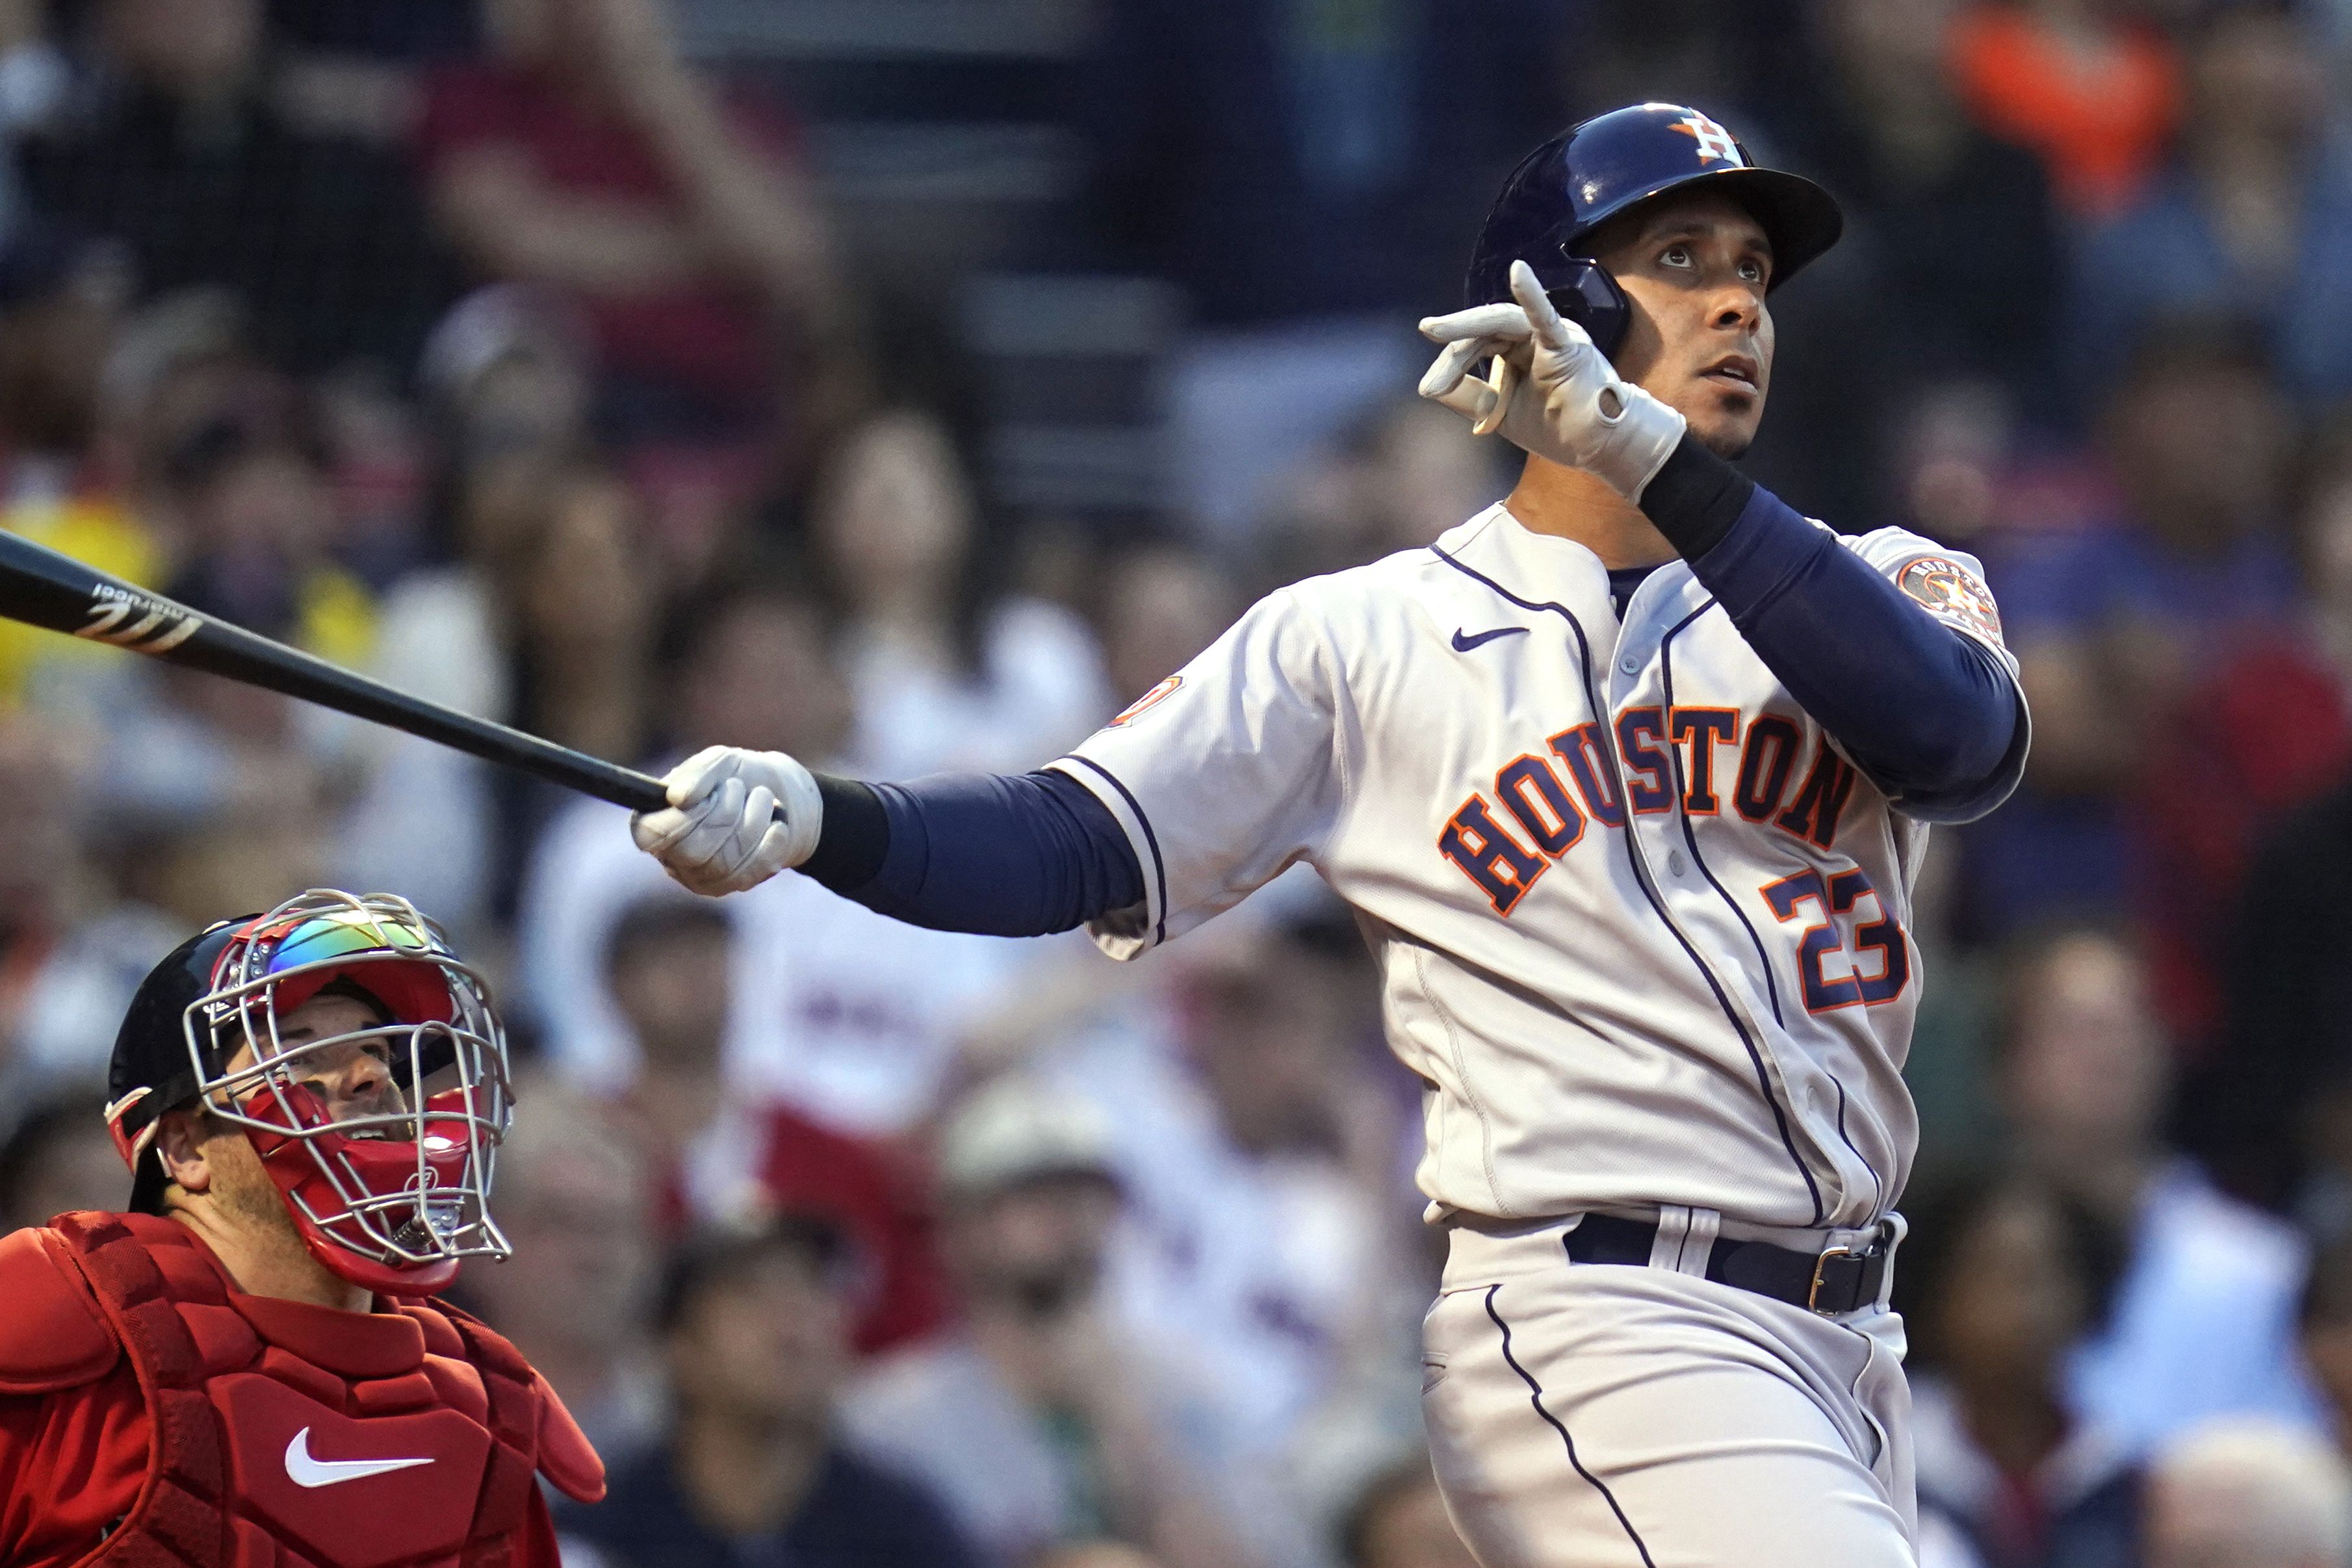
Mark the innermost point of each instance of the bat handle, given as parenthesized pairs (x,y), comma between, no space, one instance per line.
(594,775)
(1500,374)
(621,785)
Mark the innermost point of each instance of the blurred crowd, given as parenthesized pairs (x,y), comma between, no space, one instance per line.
(526,355)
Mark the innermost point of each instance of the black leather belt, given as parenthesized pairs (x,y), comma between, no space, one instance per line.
(1832,1282)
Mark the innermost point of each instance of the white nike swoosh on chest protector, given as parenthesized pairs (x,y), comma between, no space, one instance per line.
(307,1471)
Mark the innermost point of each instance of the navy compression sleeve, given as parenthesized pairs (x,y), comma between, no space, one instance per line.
(1927,711)
(996,854)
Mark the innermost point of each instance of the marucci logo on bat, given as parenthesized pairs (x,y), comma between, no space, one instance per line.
(158,628)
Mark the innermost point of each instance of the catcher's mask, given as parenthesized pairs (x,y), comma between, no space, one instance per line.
(392,1190)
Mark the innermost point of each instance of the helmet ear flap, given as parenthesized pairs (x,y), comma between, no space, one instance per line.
(1579,287)
(1581,290)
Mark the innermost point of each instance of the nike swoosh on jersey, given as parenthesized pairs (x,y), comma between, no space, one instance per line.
(307,1471)
(1463,641)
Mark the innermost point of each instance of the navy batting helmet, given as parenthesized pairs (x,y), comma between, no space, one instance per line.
(1600,167)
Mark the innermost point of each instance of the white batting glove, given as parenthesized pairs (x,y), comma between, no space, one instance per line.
(721,832)
(1554,393)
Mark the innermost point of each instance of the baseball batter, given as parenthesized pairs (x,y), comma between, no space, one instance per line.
(1627,781)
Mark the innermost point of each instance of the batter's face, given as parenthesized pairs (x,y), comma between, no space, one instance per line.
(1696,269)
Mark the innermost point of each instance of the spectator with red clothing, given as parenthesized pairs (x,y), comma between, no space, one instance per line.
(2091,89)
(2266,732)
(588,158)
(2114,620)
(667,963)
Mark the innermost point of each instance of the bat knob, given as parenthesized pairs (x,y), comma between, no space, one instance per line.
(1501,375)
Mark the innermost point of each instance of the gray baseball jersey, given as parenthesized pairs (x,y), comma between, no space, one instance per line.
(1641,929)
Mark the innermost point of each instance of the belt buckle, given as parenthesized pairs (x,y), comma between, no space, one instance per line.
(1813,1295)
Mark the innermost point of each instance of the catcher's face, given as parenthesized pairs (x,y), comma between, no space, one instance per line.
(351,1078)
(1696,269)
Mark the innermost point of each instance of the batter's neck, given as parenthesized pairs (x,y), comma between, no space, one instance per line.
(1575,505)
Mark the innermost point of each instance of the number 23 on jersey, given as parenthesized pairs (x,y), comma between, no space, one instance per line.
(1851,951)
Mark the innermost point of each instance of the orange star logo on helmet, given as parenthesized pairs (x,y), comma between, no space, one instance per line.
(1713,140)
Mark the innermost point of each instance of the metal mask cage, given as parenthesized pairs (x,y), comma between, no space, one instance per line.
(422,1211)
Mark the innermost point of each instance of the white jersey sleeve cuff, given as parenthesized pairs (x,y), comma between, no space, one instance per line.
(1131,932)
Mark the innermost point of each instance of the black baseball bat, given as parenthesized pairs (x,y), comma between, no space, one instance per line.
(42,588)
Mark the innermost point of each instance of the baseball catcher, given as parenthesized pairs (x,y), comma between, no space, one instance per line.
(246,1367)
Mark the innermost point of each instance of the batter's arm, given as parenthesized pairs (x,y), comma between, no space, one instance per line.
(1216,780)
(992,854)
(999,855)
(1932,712)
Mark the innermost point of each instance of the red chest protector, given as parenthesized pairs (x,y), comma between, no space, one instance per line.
(396,1457)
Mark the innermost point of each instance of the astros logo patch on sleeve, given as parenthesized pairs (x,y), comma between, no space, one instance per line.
(1135,709)
(1952,593)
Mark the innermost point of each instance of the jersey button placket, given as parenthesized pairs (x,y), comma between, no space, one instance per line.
(1639,829)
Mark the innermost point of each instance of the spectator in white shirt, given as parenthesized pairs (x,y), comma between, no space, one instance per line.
(2249,1494)
(2203,1321)
(946,674)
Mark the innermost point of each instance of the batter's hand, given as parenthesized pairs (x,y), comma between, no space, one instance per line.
(721,832)
(1554,393)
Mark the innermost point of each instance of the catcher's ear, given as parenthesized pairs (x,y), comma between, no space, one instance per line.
(180,1144)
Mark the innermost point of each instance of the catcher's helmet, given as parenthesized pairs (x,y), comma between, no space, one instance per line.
(392,1199)
(1603,166)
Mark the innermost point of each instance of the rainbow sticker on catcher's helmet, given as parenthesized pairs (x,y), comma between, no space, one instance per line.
(339,932)
(308,948)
